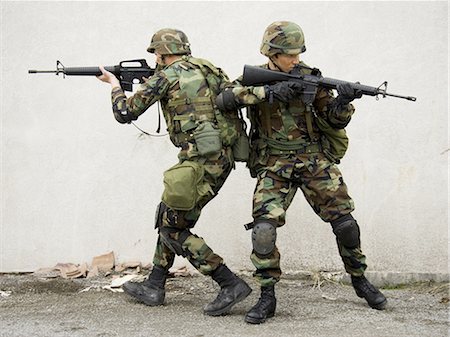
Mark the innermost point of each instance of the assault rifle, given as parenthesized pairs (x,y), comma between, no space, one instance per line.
(254,76)
(128,72)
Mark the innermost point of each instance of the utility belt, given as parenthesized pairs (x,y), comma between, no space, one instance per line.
(292,147)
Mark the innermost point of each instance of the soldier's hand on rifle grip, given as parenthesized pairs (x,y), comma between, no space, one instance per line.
(108,77)
(346,94)
(282,91)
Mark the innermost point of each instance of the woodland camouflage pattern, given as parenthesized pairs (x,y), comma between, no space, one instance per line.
(283,37)
(186,90)
(287,155)
(199,254)
(169,41)
(323,187)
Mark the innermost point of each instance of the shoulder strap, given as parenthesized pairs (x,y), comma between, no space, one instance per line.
(309,126)
(202,63)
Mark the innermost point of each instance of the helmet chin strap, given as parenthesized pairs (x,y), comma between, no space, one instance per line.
(273,63)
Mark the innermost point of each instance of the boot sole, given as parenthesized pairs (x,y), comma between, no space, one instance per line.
(227,309)
(253,320)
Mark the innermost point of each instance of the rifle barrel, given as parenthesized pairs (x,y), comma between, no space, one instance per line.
(41,71)
(409,98)
(78,71)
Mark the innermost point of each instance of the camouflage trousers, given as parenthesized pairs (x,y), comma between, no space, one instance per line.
(323,187)
(176,224)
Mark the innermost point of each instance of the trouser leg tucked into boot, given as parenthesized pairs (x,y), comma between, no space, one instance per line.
(365,289)
(151,292)
(265,308)
(232,290)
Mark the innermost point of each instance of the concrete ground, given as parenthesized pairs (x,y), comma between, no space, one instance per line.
(31,306)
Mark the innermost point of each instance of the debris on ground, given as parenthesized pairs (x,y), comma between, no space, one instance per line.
(101,265)
(105,267)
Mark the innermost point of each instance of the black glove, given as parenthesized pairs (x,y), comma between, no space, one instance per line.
(282,91)
(226,101)
(346,94)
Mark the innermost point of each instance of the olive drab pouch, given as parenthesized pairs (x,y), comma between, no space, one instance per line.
(241,148)
(334,141)
(184,185)
(207,139)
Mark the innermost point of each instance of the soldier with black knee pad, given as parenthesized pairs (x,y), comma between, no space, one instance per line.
(347,234)
(186,88)
(297,138)
(264,236)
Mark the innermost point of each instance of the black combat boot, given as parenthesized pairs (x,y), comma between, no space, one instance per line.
(151,291)
(365,289)
(265,308)
(232,290)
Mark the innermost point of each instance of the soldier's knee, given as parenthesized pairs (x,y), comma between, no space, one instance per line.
(264,236)
(174,238)
(347,231)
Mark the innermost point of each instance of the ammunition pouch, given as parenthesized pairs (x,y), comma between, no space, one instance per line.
(241,148)
(207,139)
(184,185)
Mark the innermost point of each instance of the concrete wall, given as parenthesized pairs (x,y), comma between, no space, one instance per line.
(76,184)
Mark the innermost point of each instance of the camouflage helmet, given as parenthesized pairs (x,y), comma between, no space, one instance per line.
(283,37)
(169,41)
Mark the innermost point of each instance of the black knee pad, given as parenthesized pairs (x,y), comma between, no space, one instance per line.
(160,209)
(264,235)
(175,245)
(170,215)
(346,230)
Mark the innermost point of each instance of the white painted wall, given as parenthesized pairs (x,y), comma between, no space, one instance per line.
(76,184)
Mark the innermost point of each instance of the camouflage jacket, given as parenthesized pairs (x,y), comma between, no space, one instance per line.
(186,89)
(293,131)
(288,123)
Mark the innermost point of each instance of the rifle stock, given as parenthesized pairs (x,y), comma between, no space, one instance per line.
(257,76)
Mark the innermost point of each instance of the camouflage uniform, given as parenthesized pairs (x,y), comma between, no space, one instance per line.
(186,89)
(287,156)
(289,151)
(297,137)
